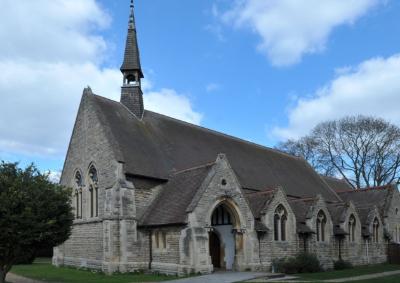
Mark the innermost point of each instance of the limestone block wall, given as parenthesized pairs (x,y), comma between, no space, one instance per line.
(89,145)
(271,249)
(144,197)
(274,250)
(194,251)
(166,257)
(392,217)
(84,248)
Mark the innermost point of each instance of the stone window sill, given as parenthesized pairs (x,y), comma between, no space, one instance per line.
(87,221)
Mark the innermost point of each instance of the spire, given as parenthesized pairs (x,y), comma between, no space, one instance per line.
(132,57)
(131,91)
(132,17)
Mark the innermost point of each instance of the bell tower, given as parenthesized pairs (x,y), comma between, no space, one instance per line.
(131,90)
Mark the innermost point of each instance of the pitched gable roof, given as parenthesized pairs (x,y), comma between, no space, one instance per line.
(338,185)
(172,202)
(364,199)
(258,201)
(158,145)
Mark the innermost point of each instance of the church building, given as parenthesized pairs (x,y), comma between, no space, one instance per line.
(154,193)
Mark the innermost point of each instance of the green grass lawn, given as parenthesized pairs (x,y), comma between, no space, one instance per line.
(362,270)
(357,271)
(44,271)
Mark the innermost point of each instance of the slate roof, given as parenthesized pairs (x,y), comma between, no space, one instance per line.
(367,198)
(258,201)
(172,202)
(157,146)
(300,208)
(339,185)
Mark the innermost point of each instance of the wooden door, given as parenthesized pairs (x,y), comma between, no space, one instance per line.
(215,250)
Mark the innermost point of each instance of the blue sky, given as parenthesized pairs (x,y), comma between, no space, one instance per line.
(262,70)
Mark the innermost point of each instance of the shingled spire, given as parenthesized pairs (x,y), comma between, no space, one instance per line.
(131,91)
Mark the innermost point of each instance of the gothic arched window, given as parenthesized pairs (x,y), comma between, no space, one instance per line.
(94,192)
(352,228)
(280,222)
(78,195)
(375,231)
(321,226)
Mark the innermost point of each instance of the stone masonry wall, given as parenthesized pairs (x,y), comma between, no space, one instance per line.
(88,145)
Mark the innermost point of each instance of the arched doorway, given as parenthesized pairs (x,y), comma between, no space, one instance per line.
(222,240)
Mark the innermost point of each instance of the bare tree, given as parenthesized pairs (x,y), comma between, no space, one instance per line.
(363,150)
(307,148)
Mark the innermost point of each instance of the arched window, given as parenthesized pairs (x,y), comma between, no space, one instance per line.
(352,228)
(276,227)
(77,210)
(321,226)
(280,221)
(94,192)
(221,216)
(78,195)
(375,231)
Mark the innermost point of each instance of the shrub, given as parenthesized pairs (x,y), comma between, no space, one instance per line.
(342,264)
(301,263)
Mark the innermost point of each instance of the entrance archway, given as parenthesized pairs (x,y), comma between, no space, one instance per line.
(222,238)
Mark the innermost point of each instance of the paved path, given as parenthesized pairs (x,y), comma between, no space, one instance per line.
(364,277)
(346,279)
(12,278)
(221,277)
(230,277)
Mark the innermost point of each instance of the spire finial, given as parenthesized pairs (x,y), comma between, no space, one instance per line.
(132,17)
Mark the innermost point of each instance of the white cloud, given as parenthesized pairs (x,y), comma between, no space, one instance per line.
(371,88)
(50,51)
(170,103)
(289,29)
(52,30)
(54,176)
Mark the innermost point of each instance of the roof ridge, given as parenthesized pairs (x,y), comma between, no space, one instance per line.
(302,199)
(228,136)
(193,168)
(377,188)
(261,192)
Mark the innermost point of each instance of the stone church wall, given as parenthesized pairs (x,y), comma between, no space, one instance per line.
(166,259)
(88,145)
(392,219)
(84,248)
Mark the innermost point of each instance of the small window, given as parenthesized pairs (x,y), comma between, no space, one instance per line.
(157,240)
(77,210)
(164,240)
(78,179)
(321,226)
(78,195)
(94,192)
(375,231)
(352,228)
(93,174)
(280,221)
(397,211)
